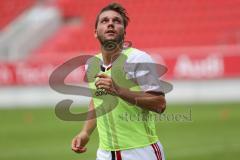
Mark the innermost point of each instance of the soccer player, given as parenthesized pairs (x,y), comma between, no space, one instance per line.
(125,132)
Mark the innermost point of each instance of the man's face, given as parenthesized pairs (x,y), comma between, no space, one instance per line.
(110,27)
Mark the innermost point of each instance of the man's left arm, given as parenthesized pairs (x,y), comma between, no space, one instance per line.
(150,100)
(153,101)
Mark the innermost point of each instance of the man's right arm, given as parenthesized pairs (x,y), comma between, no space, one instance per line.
(79,142)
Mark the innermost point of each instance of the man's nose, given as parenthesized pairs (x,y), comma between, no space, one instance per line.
(110,24)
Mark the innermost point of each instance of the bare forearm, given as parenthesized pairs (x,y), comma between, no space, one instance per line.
(149,101)
(89,126)
(155,103)
(90,123)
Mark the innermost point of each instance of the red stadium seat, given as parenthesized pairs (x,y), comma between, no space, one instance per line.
(10,9)
(153,24)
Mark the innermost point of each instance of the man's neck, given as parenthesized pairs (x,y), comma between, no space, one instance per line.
(110,56)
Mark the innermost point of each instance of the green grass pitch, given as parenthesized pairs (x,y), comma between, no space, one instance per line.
(212,132)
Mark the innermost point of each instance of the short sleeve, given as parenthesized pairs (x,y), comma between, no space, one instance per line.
(142,69)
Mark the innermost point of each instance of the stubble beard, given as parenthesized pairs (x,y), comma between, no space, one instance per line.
(111,44)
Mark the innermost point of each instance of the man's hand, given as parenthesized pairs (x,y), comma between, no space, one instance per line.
(107,83)
(79,142)
(153,102)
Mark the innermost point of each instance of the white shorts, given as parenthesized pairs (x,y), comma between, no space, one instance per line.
(151,152)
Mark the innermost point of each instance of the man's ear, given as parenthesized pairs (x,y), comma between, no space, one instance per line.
(95,34)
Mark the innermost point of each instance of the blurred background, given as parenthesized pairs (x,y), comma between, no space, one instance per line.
(198,41)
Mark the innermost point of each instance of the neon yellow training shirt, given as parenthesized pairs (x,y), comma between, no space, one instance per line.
(120,125)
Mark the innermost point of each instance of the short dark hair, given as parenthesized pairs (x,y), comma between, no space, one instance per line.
(117,8)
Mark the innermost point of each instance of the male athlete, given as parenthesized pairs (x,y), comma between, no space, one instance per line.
(137,95)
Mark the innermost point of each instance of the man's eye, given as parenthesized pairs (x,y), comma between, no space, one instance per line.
(117,21)
(104,21)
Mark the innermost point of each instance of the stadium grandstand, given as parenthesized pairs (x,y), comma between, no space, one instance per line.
(198,41)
